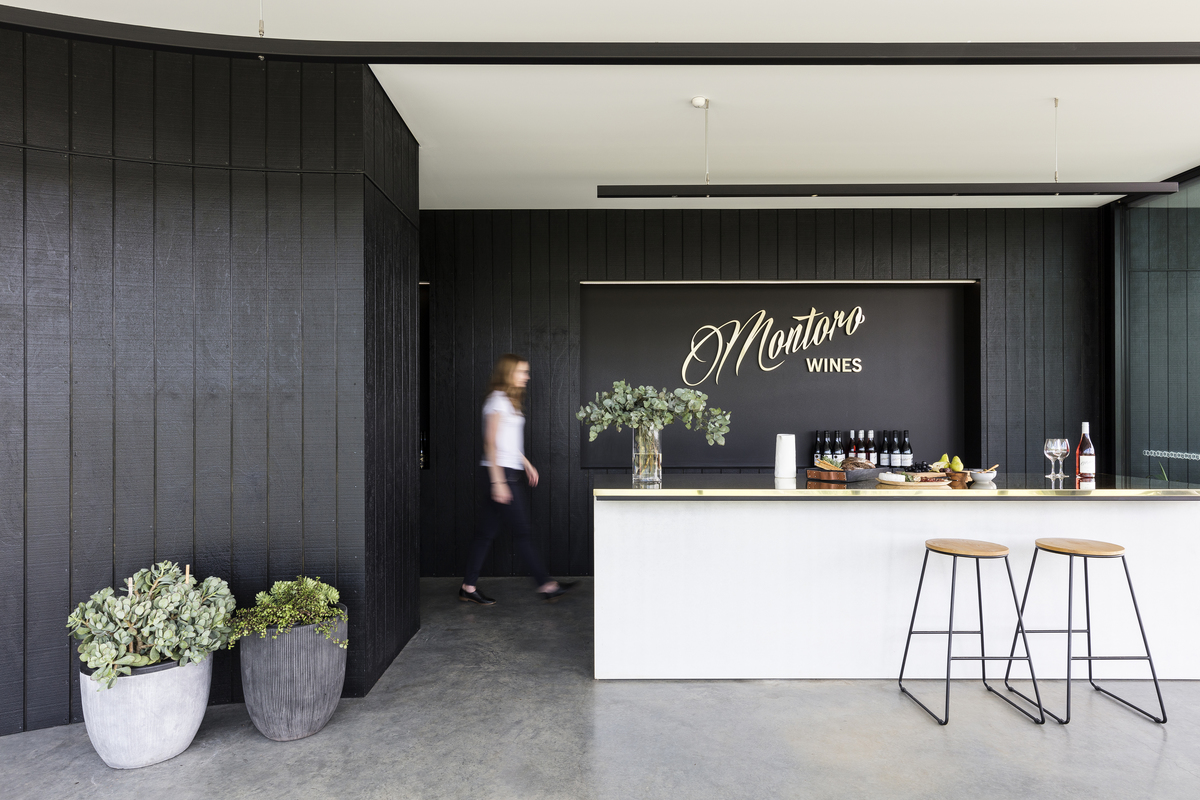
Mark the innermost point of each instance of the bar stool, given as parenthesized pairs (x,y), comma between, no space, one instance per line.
(1087,549)
(969,548)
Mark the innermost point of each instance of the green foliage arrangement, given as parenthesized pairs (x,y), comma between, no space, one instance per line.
(646,407)
(304,601)
(163,616)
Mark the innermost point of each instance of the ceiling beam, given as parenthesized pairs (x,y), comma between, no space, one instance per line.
(613,53)
(883,190)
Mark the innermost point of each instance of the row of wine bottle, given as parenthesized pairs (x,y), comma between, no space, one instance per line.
(894,451)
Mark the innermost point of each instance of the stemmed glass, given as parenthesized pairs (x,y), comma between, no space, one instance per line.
(1056,449)
(1063,450)
(1050,448)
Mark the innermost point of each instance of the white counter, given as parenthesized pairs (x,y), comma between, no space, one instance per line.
(815,585)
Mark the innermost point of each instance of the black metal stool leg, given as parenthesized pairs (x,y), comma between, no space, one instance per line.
(912,622)
(949,645)
(1040,719)
(1147,658)
(1021,611)
(950,635)
(982,647)
(1087,616)
(1070,629)
(1021,633)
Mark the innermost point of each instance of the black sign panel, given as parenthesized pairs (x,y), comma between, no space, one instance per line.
(786,358)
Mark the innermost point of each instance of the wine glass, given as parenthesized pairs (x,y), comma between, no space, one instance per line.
(1050,448)
(1061,448)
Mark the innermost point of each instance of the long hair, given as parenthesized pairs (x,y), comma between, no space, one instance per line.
(502,380)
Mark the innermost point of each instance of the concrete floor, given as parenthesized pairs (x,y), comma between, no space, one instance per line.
(497,703)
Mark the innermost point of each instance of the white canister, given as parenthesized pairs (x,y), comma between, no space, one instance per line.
(785,455)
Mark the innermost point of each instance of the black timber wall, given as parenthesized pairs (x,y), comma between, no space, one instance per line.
(199,257)
(509,280)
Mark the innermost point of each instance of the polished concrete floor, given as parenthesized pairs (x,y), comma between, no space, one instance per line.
(498,703)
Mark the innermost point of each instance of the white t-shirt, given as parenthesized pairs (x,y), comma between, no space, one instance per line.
(510,433)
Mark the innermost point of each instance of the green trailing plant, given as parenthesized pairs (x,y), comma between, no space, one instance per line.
(304,601)
(163,616)
(647,408)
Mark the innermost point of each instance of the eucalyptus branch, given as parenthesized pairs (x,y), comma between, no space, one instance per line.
(646,407)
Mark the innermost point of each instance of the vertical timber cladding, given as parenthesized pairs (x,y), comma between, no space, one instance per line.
(207,310)
(1038,360)
(784,358)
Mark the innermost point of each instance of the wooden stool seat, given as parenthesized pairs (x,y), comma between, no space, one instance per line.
(971,548)
(1081,547)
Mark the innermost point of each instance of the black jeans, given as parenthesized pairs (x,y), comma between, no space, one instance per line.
(490,515)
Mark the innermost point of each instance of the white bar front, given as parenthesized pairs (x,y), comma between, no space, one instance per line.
(704,588)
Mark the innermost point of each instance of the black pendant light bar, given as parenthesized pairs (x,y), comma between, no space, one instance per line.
(643,191)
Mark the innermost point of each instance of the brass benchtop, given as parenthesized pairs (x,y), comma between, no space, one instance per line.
(1007,486)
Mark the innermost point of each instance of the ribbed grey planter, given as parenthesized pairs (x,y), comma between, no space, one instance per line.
(292,683)
(148,716)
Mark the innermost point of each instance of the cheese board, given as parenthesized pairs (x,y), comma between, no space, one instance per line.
(906,485)
(927,484)
(844,476)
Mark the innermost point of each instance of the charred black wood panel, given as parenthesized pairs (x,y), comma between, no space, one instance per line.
(1039,297)
(185,258)
(12,432)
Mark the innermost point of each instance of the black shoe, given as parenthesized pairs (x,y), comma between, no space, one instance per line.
(475,597)
(563,586)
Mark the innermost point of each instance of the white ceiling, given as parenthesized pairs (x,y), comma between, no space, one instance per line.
(536,137)
(663,20)
(544,137)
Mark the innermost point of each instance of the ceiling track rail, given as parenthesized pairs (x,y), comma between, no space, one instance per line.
(884,190)
(612,53)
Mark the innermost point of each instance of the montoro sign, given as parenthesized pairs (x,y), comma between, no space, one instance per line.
(712,344)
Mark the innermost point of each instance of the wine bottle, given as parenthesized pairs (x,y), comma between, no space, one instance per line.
(862,446)
(1085,456)
(872,451)
(897,458)
(826,447)
(852,449)
(839,452)
(885,453)
(816,448)
(906,455)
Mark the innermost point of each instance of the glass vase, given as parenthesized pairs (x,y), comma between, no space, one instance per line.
(647,456)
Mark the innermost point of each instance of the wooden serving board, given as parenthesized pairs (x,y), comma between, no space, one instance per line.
(843,476)
(907,485)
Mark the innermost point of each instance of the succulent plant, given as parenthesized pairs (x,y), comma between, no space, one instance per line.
(163,615)
(304,601)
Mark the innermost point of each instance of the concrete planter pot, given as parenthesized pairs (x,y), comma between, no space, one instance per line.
(292,683)
(148,716)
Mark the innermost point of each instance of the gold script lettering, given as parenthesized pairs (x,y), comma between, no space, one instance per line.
(813,329)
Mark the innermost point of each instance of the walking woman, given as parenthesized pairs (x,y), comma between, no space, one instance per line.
(499,490)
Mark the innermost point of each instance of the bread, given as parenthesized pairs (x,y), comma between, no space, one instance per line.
(857,463)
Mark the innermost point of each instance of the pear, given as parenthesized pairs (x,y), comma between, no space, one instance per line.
(956,465)
(945,458)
